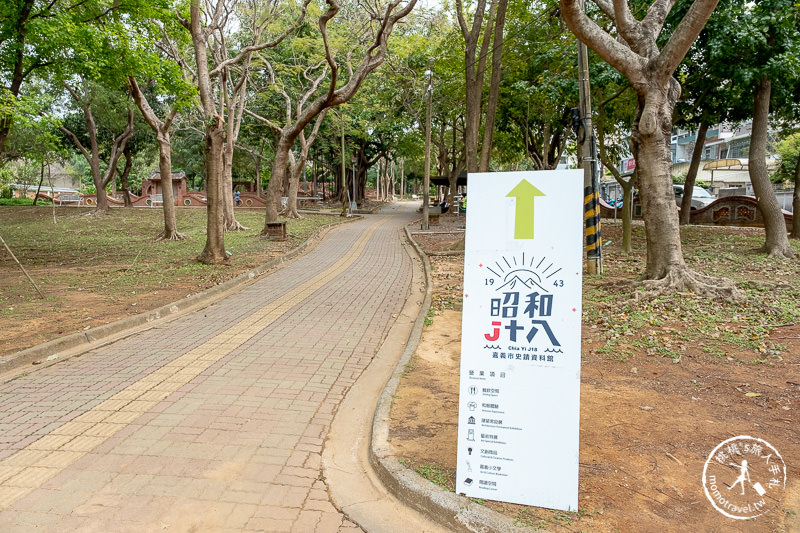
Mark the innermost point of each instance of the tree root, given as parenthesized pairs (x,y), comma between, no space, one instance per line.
(781,252)
(683,279)
(171,236)
(212,259)
(234,225)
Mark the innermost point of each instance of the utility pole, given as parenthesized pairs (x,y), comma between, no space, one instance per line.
(591,205)
(427,180)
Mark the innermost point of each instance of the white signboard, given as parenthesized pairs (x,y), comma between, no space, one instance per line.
(520,342)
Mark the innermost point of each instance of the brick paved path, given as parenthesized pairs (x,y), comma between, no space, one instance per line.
(213,422)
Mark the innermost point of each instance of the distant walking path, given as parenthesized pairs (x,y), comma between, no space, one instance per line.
(214,421)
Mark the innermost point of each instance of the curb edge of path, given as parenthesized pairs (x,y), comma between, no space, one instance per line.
(64,348)
(448,509)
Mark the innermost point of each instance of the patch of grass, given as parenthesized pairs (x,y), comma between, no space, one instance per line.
(527,518)
(563,517)
(434,473)
(429,317)
(410,366)
(583,512)
(615,350)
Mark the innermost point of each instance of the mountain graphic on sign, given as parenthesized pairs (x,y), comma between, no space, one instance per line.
(524,270)
(527,278)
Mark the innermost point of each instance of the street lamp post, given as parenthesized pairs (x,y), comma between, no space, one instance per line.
(427,179)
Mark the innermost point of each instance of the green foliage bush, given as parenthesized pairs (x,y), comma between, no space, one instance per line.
(21,201)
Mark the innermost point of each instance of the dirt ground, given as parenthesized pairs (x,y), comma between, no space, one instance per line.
(648,422)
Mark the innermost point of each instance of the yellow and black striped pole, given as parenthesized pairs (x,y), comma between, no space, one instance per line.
(591,204)
(594,242)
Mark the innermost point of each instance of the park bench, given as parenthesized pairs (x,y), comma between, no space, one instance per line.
(156,199)
(305,201)
(70,198)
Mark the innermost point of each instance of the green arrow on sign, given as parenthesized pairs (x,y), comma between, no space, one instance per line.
(525,193)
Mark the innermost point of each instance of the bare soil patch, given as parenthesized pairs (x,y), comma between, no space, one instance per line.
(664,381)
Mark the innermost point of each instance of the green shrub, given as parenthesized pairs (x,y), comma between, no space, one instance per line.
(15,201)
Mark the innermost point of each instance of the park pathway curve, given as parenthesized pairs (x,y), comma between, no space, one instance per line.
(214,421)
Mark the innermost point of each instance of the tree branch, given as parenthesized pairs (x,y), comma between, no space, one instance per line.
(76,141)
(141,102)
(657,15)
(683,37)
(615,96)
(333,8)
(613,52)
(271,44)
(266,121)
(627,25)
(118,148)
(607,8)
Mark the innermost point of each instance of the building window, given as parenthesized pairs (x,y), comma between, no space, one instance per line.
(739,148)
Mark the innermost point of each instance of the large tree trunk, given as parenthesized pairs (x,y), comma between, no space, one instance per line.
(170,232)
(474,73)
(276,180)
(494,86)
(295,169)
(123,178)
(117,149)
(39,187)
(100,187)
(665,267)
(161,128)
(777,241)
(214,251)
(691,175)
(633,50)
(291,203)
(228,215)
(626,213)
(651,137)
(796,202)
